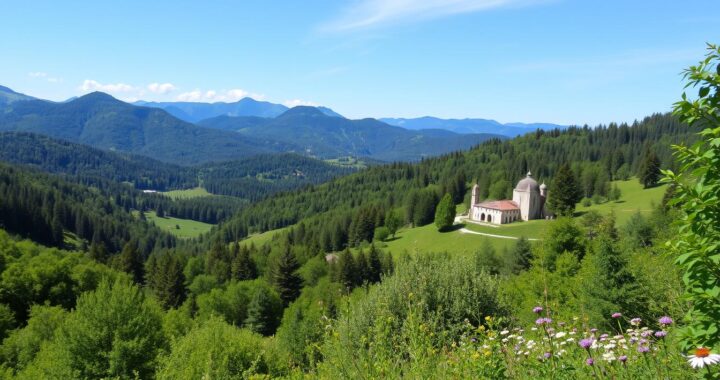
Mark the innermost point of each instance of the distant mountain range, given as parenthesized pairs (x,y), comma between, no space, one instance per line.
(325,136)
(194,111)
(465,126)
(101,121)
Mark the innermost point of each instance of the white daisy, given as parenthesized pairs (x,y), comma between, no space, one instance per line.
(703,357)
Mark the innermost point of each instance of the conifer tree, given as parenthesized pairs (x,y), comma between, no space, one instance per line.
(363,271)
(284,277)
(166,279)
(649,169)
(131,262)
(393,222)
(347,273)
(522,254)
(242,266)
(445,213)
(263,312)
(217,261)
(565,192)
(374,265)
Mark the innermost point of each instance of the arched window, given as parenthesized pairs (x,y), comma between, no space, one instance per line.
(489,218)
(482,217)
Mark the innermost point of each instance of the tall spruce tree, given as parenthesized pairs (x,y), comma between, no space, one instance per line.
(166,279)
(263,313)
(374,265)
(565,192)
(284,276)
(130,261)
(347,270)
(243,267)
(649,171)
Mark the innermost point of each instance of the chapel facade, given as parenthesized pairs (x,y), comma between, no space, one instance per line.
(528,203)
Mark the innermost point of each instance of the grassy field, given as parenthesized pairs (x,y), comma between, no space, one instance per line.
(260,239)
(187,228)
(188,193)
(349,162)
(633,199)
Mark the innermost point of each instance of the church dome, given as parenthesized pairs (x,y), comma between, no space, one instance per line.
(528,184)
(543,186)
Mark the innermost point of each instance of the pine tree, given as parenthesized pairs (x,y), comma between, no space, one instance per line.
(283,275)
(217,261)
(649,169)
(393,222)
(166,279)
(374,265)
(565,192)
(242,266)
(347,274)
(363,271)
(445,213)
(263,311)
(130,261)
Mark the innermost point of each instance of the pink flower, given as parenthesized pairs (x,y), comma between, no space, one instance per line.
(616,315)
(665,320)
(537,309)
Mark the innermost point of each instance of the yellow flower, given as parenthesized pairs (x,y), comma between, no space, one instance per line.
(476,355)
(487,353)
(488,318)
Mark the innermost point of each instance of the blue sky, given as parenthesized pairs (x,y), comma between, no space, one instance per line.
(563,61)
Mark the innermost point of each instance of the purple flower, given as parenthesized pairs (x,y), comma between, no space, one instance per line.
(660,334)
(616,315)
(586,343)
(635,321)
(665,320)
(537,309)
(593,331)
(543,321)
(473,340)
(643,349)
(622,358)
(547,355)
(589,361)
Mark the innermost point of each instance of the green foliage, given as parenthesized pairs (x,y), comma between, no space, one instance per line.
(284,277)
(445,213)
(393,222)
(381,233)
(20,348)
(242,266)
(565,192)
(114,331)
(264,311)
(165,278)
(563,236)
(214,350)
(697,189)
(649,171)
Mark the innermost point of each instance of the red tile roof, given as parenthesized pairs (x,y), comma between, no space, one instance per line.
(503,205)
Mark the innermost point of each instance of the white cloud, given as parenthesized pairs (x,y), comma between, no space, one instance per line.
(370,13)
(37,74)
(212,96)
(298,102)
(161,88)
(90,85)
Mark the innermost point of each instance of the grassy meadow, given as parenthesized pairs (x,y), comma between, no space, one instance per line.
(182,228)
(188,193)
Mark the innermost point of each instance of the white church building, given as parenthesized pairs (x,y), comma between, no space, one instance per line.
(528,203)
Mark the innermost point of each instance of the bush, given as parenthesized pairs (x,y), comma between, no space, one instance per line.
(587,202)
(382,233)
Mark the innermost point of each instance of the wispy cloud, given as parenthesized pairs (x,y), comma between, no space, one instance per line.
(45,76)
(231,95)
(366,14)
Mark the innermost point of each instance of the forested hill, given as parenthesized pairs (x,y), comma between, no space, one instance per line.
(102,121)
(596,155)
(328,137)
(59,156)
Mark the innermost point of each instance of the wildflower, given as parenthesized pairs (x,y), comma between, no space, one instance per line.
(537,309)
(644,349)
(593,330)
(616,315)
(547,355)
(702,357)
(560,334)
(543,321)
(622,358)
(504,332)
(665,320)
(660,334)
(488,318)
(589,361)
(635,321)
(586,343)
